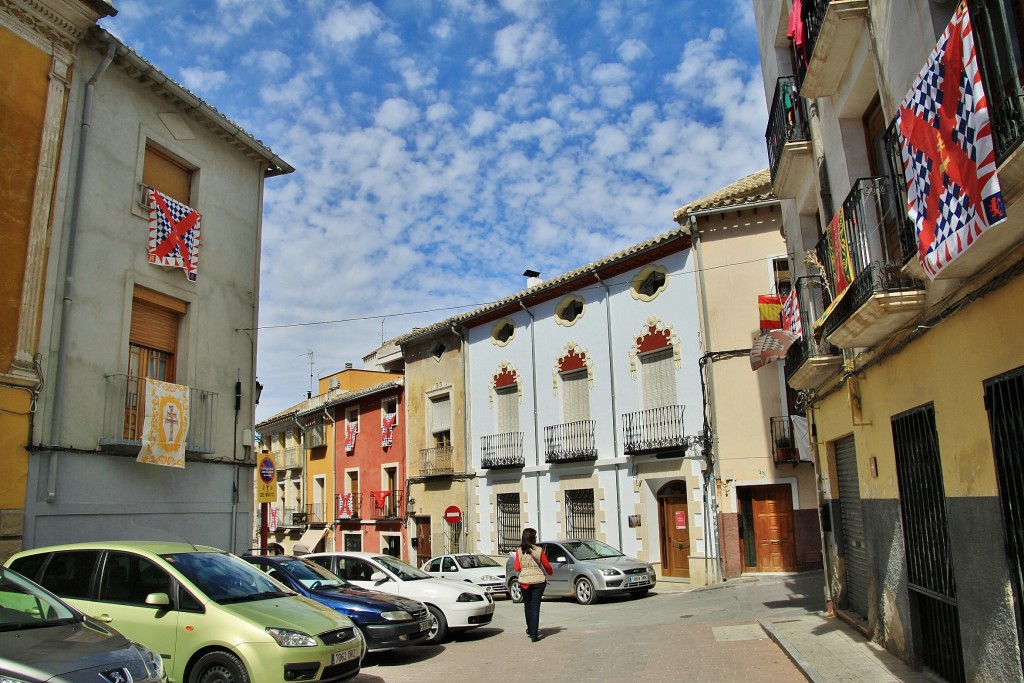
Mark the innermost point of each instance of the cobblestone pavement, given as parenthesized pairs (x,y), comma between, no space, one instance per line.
(711,634)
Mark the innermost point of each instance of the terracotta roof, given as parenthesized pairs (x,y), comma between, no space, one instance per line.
(756,187)
(336,396)
(284,414)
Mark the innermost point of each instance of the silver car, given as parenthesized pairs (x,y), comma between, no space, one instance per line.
(587,570)
(42,638)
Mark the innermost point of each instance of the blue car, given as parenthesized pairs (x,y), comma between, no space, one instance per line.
(386,621)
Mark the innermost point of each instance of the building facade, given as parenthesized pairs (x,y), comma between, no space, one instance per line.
(120,318)
(912,379)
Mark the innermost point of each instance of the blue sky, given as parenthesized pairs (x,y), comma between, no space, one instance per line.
(443,147)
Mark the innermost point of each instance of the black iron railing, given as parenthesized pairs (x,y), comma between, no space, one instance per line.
(998,43)
(388,504)
(814,16)
(570,442)
(784,448)
(787,121)
(502,450)
(436,461)
(124,412)
(655,429)
(812,297)
(348,506)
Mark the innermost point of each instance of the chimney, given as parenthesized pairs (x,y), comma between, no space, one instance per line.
(348,366)
(532,278)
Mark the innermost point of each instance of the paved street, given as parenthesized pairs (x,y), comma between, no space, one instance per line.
(710,634)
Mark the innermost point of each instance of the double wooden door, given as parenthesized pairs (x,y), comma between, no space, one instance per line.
(674,514)
(771,508)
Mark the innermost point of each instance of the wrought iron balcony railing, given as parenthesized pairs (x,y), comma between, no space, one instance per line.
(348,506)
(654,430)
(784,448)
(436,460)
(787,121)
(292,516)
(124,412)
(315,513)
(999,49)
(814,16)
(314,435)
(292,459)
(502,450)
(388,504)
(570,442)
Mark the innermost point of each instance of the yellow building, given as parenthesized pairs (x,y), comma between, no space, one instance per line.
(37,40)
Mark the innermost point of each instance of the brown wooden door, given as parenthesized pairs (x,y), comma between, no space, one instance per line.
(423,552)
(773,528)
(675,530)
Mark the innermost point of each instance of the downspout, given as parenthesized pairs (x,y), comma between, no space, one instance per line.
(712,474)
(467,441)
(536,412)
(615,412)
(56,421)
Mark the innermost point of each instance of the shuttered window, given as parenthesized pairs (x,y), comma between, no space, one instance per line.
(659,379)
(508,409)
(575,396)
(441,414)
(163,173)
(152,346)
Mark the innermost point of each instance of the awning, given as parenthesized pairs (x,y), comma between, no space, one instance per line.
(307,543)
(771,347)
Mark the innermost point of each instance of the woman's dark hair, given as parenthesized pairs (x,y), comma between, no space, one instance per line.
(529,539)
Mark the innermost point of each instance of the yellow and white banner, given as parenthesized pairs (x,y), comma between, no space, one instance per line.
(165,425)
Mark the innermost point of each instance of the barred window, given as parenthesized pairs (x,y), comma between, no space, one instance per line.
(579,514)
(510,528)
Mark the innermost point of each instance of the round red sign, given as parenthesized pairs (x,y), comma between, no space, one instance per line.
(452,514)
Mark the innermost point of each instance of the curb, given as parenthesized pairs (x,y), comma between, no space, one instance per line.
(792,652)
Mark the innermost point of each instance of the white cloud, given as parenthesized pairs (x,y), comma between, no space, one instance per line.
(631,50)
(395,114)
(203,80)
(271,61)
(482,122)
(521,44)
(348,23)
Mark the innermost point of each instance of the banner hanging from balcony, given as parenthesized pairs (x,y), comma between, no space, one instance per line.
(771,347)
(165,424)
(769,308)
(344,505)
(949,162)
(791,314)
(351,429)
(387,429)
(173,234)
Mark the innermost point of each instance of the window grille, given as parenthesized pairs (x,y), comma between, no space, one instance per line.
(510,529)
(579,514)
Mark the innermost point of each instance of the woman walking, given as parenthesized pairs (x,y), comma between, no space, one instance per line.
(533,567)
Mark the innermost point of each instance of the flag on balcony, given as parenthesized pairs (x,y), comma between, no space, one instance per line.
(380,498)
(173,234)
(387,429)
(351,429)
(949,162)
(344,505)
(275,514)
(165,424)
(769,308)
(771,347)
(791,314)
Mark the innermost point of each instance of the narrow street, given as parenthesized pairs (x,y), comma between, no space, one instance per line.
(672,634)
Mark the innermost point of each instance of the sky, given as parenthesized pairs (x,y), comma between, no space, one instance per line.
(442,147)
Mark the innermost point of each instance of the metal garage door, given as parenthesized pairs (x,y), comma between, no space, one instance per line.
(853,527)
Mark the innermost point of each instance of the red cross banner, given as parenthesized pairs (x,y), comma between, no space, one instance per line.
(949,162)
(345,505)
(791,314)
(173,234)
(387,429)
(351,429)
(165,425)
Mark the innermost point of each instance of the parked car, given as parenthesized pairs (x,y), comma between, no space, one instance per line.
(455,606)
(43,638)
(212,616)
(587,570)
(483,570)
(386,621)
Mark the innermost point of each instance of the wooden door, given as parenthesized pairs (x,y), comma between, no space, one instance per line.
(773,528)
(675,530)
(423,552)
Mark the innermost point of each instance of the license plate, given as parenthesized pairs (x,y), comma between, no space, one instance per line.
(637,579)
(342,657)
(425,625)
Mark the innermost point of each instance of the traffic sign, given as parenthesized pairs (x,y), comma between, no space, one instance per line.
(452,514)
(266,485)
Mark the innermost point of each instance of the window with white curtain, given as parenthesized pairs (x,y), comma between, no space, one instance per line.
(659,379)
(507,400)
(575,396)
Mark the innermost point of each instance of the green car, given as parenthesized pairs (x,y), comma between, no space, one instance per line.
(211,615)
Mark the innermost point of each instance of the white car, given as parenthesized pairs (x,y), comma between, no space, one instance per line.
(482,570)
(454,606)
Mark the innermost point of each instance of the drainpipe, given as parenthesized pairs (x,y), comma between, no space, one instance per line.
(56,421)
(536,414)
(615,411)
(467,441)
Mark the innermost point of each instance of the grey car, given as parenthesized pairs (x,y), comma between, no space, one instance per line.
(42,638)
(587,570)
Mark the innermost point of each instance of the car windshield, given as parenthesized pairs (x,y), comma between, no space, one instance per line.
(474,561)
(591,550)
(309,574)
(225,578)
(24,605)
(405,572)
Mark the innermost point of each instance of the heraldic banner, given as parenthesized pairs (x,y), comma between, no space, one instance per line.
(165,425)
(949,162)
(173,234)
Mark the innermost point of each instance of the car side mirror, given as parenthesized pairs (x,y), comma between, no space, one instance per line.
(378,577)
(158,600)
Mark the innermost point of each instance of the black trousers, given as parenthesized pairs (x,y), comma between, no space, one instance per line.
(531,604)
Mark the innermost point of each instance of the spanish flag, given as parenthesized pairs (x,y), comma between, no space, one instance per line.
(770,309)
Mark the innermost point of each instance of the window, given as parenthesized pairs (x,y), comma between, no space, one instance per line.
(507,399)
(389,407)
(129,579)
(569,310)
(152,348)
(649,282)
(438,350)
(579,514)
(169,176)
(510,528)
(502,332)
(69,574)
(441,421)
(781,283)
(575,396)
(659,379)
(391,544)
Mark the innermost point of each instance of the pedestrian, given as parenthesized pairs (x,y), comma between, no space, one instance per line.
(533,567)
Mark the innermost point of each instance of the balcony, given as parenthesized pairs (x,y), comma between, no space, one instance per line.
(292,459)
(881,300)
(784,448)
(789,140)
(834,27)
(570,442)
(293,516)
(657,430)
(436,461)
(123,413)
(810,362)
(348,506)
(388,504)
(502,450)
(314,435)
(315,513)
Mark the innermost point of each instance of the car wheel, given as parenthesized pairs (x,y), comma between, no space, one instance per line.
(515,591)
(585,594)
(219,667)
(439,627)
(639,593)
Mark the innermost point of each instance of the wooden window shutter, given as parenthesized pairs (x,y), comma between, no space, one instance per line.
(155,320)
(163,173)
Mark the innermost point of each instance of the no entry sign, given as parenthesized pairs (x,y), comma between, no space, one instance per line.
(452,514)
